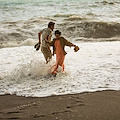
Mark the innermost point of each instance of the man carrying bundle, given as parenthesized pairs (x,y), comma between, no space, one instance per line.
(46,37)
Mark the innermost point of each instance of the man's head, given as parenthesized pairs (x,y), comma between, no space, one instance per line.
(51,25)
(57,33)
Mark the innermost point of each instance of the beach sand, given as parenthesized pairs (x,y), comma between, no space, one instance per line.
(103,105)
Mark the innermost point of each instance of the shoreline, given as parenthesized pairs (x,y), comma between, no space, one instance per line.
(103,105)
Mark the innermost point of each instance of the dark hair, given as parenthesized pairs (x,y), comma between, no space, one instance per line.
(50,24)
(57,32)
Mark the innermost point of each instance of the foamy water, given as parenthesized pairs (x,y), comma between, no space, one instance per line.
(92,24)
(95,67)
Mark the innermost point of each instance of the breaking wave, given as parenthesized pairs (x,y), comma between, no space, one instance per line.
(22,30)
(27,42)
(90,29)
(78,18)
(105,2)
(25,32)
(63,15)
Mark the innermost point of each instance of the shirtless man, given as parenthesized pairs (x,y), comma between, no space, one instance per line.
(46,37)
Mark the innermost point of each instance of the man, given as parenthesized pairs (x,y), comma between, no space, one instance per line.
(46,37)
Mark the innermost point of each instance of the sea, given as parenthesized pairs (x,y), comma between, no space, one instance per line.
(93,25)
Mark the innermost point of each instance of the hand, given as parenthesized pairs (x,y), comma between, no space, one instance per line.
(74,45)
(76,48)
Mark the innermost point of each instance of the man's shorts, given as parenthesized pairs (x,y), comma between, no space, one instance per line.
(47,53)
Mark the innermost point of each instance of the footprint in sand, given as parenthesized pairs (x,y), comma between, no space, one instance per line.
(14,112)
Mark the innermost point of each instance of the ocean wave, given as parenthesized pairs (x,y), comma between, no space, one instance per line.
(23,29)
(13,36)
(14,32)
(71,17)
(83,39)
(75,17)
(27,42)
(105,2)
(91,14)
(63,15)
(90,29)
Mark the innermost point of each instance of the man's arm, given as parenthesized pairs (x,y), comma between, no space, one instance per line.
(39,37)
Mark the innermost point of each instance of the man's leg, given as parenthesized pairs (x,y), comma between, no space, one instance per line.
(47,54)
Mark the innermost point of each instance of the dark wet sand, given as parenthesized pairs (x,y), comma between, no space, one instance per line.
(86,106)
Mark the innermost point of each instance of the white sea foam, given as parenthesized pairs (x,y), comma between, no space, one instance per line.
(95,67)
(27,42)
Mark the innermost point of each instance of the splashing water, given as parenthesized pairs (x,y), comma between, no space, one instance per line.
(95,67)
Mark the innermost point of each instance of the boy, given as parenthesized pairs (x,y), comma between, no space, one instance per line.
(59,44)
